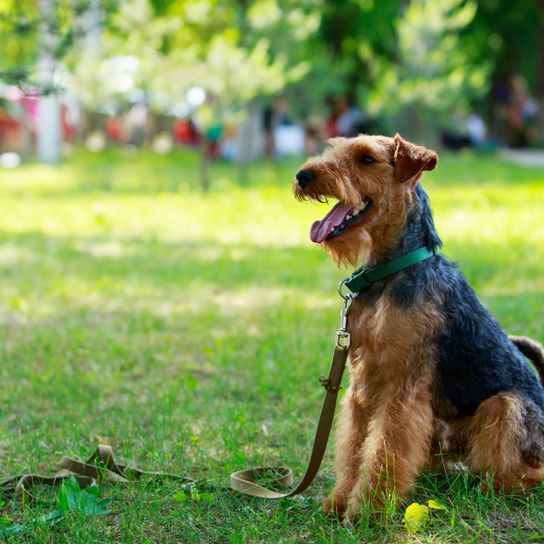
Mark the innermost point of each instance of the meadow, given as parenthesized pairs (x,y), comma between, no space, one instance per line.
(188,330)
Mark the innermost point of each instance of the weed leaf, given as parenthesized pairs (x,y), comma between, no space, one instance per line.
(70,498)
(87,501)
(415,517)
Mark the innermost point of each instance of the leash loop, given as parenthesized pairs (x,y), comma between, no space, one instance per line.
(341,285)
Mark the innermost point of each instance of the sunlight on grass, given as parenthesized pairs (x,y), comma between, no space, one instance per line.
(180,325)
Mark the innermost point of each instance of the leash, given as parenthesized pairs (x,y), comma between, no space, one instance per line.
(101,465)
(245,481)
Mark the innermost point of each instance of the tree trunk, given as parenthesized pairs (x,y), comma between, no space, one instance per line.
(48,134)
(204,166)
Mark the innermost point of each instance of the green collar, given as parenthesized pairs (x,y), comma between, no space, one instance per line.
(363,278)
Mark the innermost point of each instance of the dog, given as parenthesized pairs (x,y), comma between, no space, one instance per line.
(431,371)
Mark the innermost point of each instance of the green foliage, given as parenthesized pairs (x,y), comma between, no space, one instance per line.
(70,498)
(432,80)
(23,30)
(423,60)
(166,48)
(87,501)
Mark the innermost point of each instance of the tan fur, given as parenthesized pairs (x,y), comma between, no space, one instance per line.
(494,434)
(384,443)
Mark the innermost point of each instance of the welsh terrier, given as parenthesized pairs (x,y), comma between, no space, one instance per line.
(431,370)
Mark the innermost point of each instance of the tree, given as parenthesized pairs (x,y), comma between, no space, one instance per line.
(432,79)
(36,39)
(165,48)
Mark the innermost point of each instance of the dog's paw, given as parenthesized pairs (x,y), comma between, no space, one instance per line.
(334,504)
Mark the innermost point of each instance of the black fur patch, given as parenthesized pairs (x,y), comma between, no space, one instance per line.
(476,358)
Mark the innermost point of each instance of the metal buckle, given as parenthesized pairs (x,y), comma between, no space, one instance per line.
(343,339)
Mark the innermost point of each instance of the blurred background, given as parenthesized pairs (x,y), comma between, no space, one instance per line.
(237,80)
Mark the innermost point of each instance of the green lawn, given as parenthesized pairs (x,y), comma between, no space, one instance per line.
(188,331)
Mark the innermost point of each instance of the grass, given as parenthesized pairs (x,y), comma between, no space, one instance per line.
(188,331)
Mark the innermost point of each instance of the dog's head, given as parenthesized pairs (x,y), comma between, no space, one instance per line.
(373,178)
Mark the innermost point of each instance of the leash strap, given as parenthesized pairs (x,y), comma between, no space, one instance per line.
(101,465)
(245,480)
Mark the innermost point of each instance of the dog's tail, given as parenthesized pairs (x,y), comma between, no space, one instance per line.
(532,350)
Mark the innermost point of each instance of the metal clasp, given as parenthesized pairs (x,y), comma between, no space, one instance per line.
(343,336)
(343,339)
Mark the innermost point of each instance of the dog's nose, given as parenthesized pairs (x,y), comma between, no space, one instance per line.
(305,177)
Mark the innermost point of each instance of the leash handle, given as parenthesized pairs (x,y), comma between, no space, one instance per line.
(245,480)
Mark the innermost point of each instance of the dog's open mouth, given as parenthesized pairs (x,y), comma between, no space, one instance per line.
(338,220)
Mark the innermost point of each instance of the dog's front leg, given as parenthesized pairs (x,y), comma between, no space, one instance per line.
(396,446)
(350,435)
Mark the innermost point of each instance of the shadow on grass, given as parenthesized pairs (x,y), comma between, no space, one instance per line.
(144,172)
(158,262)
(207,284)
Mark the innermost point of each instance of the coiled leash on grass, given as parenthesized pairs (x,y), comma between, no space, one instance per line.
(245,481)
(101,465)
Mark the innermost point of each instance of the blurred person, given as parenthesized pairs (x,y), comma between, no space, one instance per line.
(17,121)
(476,130)
(523,111)
(185,132)
(228,143)
(9,128)
(67,126)
(137,122)
(212,138)
(114,129)
(465,133)
(515,111)
(274,116)
(344,120)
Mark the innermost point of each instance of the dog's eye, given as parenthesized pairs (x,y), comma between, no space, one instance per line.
(367,159)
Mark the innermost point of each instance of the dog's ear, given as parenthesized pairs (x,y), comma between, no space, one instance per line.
(410,159)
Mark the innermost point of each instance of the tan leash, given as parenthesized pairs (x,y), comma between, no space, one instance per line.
(101,465)
(245,481)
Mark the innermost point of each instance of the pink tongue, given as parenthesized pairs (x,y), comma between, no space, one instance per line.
(321,229)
